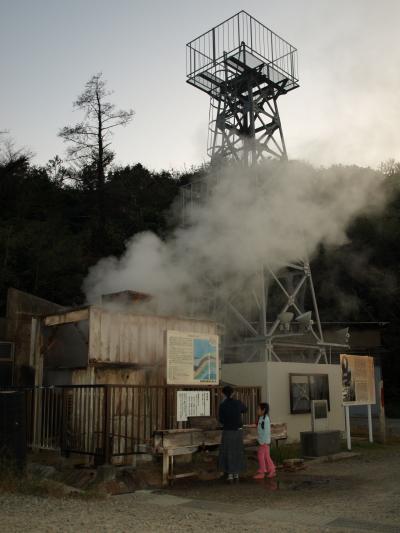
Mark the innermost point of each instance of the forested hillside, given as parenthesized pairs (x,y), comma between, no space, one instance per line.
(49,225)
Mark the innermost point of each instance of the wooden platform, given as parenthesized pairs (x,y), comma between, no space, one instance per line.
(173,442)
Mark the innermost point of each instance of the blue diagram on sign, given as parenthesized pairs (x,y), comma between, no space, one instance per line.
(205,360)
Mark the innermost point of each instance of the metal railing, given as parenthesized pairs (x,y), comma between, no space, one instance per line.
(207,50)
(108,421)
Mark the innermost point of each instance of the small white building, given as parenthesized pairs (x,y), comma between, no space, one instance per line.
(288,388)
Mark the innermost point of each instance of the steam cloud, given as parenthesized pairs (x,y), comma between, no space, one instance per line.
(268,215)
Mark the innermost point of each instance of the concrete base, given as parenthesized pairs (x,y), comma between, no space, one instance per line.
(319,443)
(106,473)
(331,458)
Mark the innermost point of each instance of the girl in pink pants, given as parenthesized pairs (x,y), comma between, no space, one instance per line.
(265,464)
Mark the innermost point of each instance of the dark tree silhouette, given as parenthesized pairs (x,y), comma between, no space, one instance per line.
(9,154)
(90,140)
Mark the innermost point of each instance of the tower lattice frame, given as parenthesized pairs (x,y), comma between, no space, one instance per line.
(245,67)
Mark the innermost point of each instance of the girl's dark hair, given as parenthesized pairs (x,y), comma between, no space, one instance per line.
(265,407)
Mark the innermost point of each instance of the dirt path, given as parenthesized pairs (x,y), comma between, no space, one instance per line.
(359,494)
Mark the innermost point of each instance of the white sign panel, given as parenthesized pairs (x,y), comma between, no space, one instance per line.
(319,415)
(192,403)
(192,358)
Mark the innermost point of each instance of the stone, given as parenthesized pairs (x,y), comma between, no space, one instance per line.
(40,471)
(106,473)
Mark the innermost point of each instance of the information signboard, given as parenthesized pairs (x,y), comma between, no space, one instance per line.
(358,379)
(192,403)
(192,358)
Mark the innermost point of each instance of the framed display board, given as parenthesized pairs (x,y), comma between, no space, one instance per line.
(192,358)
(358,379)
(307,387)
(192,403)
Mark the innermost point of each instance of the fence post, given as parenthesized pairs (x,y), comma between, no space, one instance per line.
(166,410)
(106,425)
(37,419)
(64,411)
(382,419)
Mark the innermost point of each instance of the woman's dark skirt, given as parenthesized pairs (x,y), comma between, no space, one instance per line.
(231,458)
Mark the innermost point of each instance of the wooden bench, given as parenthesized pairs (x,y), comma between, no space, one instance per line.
(174,442)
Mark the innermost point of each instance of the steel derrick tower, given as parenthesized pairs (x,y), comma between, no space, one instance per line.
(245,67)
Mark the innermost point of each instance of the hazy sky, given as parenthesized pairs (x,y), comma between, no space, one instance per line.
(347,108)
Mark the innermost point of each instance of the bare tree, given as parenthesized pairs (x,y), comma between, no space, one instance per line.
(9,154)
(390,167)
(90,139)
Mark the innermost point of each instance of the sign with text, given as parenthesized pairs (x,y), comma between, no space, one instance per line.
(358,379)
(192,358)
(192,403)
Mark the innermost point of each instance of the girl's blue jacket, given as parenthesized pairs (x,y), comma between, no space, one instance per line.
(264,430)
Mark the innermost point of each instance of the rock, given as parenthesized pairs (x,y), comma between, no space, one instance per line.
(66,490)
(106,473)
(290,462)
(40,471)
(291,465)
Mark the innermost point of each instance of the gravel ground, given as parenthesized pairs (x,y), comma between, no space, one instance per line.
(119,514)
(356,494)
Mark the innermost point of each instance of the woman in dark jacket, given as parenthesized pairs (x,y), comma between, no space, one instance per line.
(231,452)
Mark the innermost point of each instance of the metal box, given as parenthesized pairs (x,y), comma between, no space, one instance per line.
(319,443)
(13,429)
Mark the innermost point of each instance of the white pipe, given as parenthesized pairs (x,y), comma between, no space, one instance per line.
(370,434)
(346,409)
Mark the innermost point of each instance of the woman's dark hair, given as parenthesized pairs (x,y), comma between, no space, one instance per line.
(228,391)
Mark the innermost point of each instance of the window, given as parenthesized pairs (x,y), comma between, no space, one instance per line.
(307,387)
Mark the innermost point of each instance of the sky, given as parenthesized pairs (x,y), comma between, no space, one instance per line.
(347,109)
